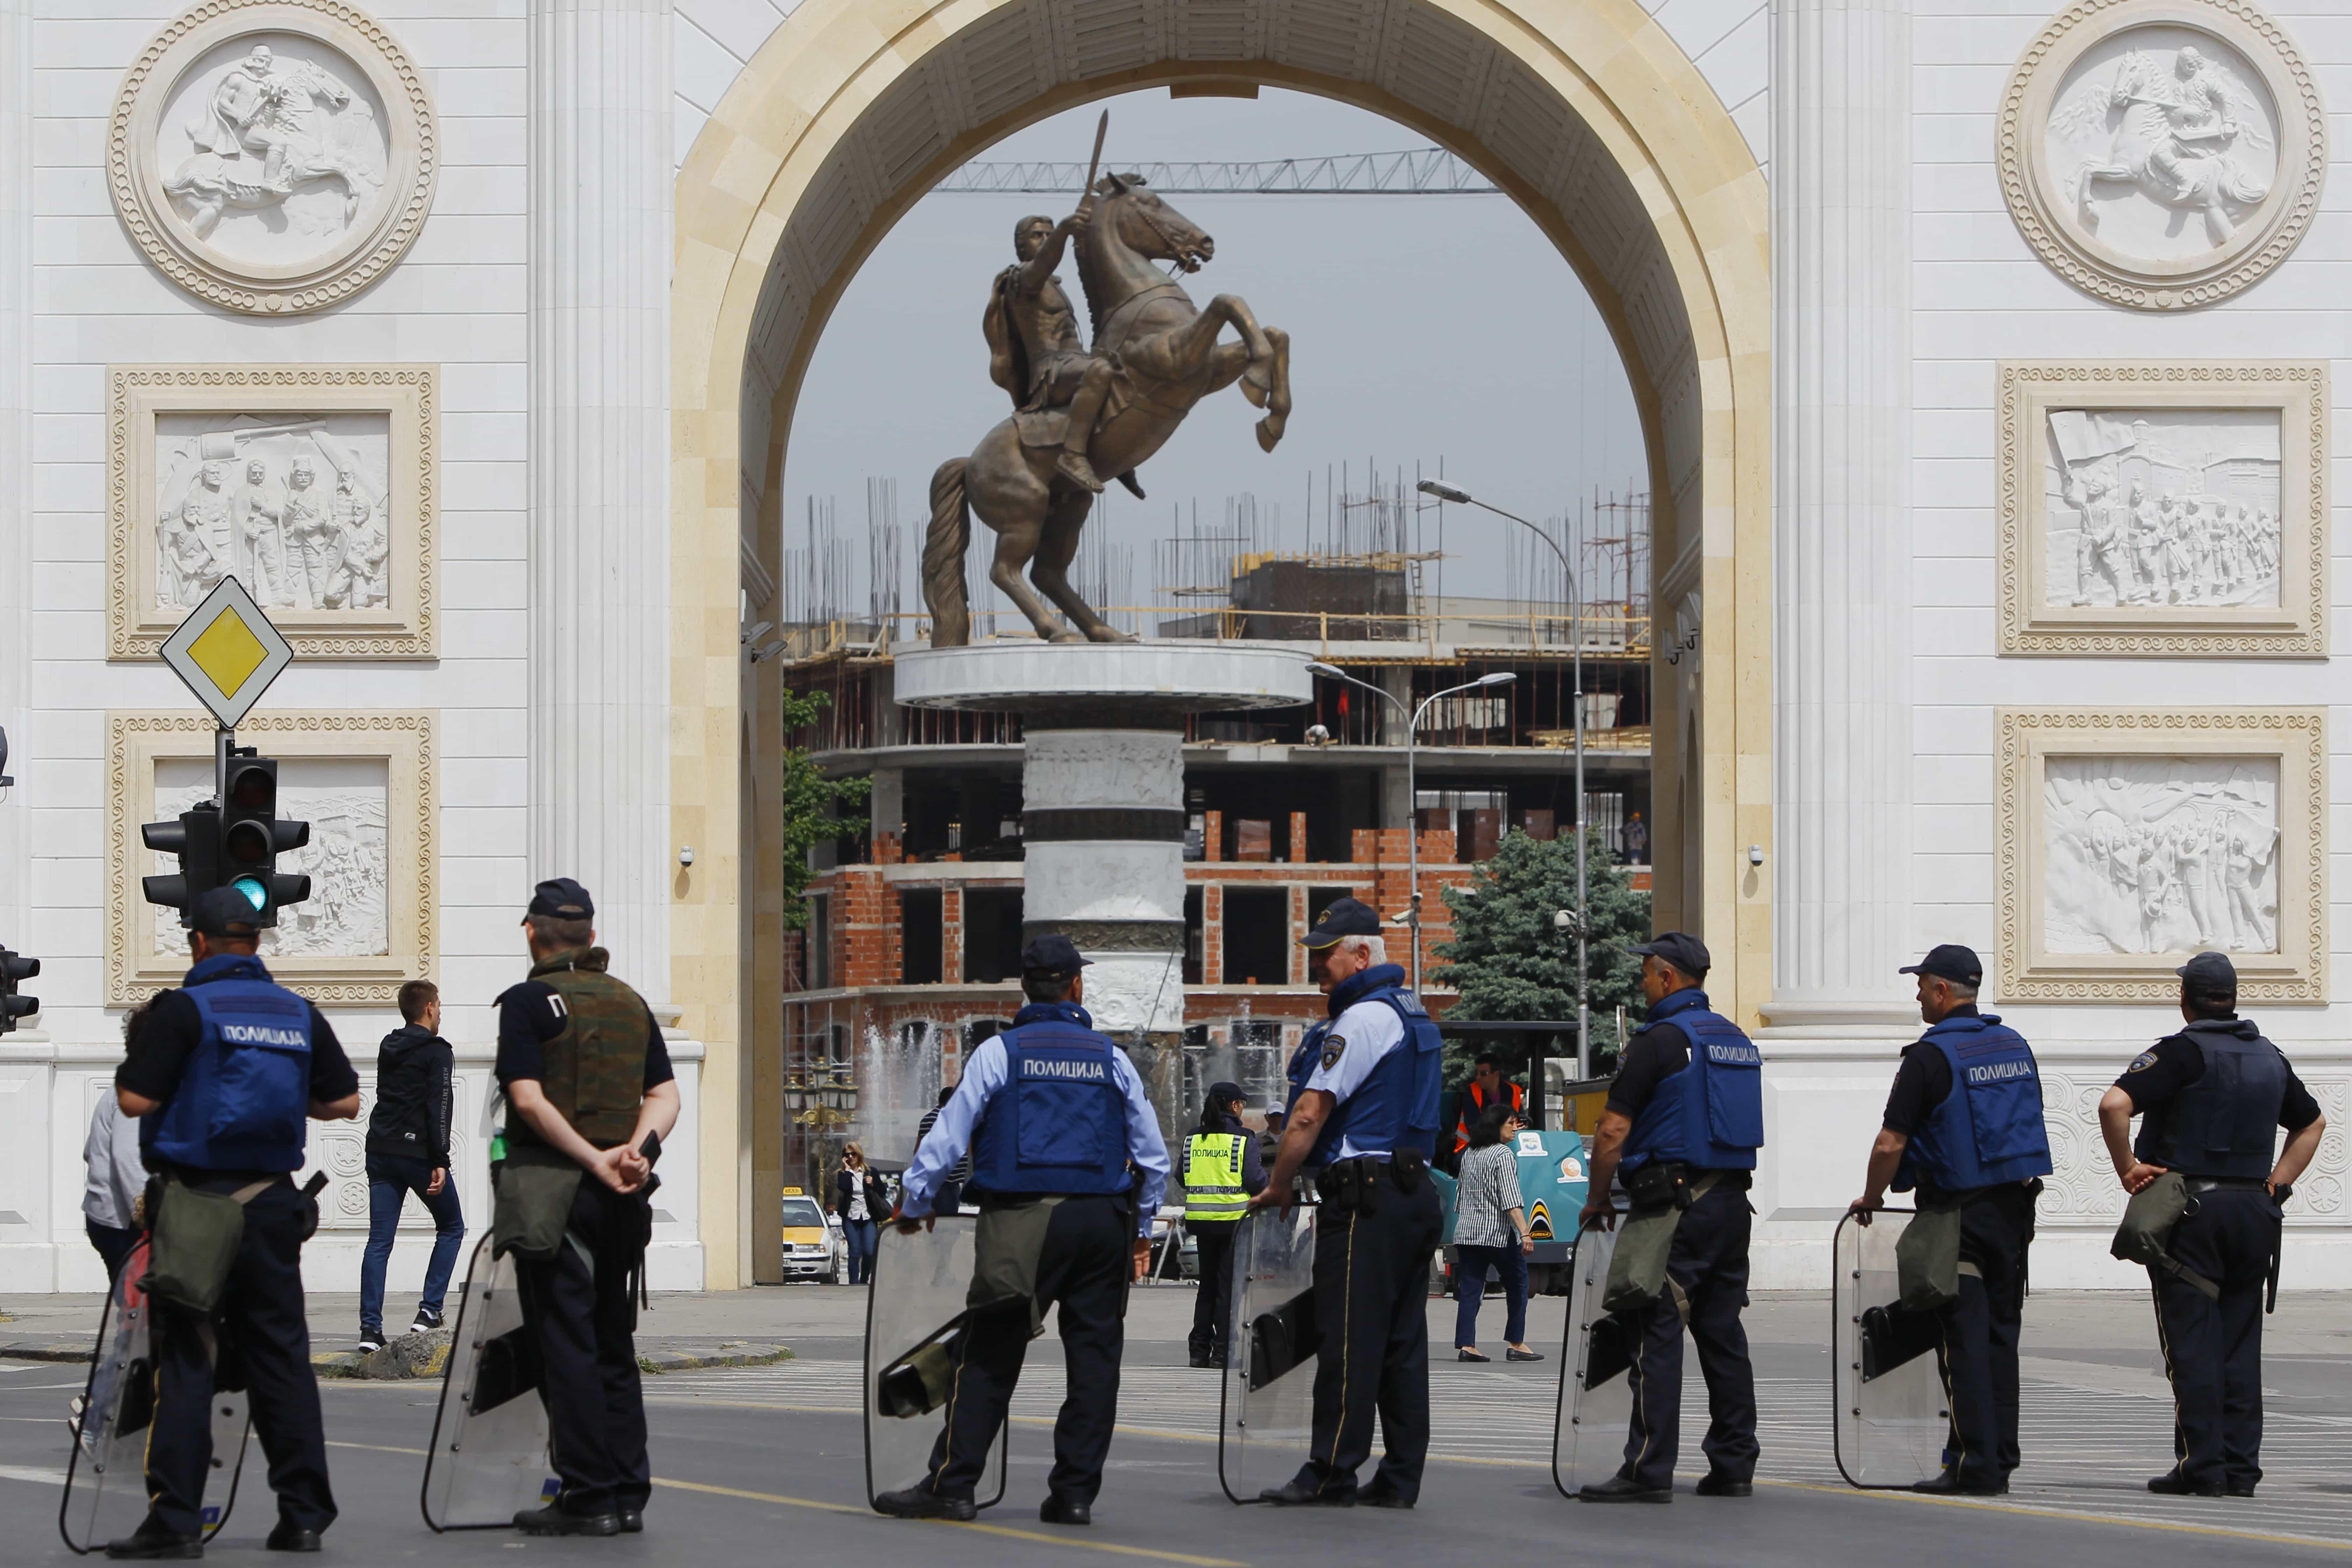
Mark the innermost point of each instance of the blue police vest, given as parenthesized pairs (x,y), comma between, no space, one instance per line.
(1710,1115)
(2226,1123)
(245,1091)
(1395,1108)
(1989,1131)
(1059,1124)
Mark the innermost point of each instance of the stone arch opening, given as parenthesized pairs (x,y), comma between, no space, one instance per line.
(1587,114)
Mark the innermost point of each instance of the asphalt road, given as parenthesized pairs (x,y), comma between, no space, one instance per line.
(766,1464)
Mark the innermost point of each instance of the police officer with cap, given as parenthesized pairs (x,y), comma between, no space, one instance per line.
(587,1077)
(2210,1097)
(1684,1120)
(1963,1126)
(1054,1114)
(1364,1120)
(222,1077)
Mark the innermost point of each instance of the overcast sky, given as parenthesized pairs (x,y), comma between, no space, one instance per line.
(1433,334)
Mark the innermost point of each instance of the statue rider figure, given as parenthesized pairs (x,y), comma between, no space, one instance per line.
(1034,352)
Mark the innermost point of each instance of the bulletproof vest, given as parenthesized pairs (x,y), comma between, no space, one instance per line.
(1989,1130)
(1395,1108)
(1059,1124)
(596,1065)
(1212,1176)
(2226,1123)
(1710,1115)
(245,1091)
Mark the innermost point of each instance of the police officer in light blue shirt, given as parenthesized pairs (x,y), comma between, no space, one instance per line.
(1963,1126)
(1053,1113)
(1363,1121)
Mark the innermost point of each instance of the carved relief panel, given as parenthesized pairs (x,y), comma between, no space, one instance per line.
(364,783)
(2162,154)
(2164,509)
(2129,841)
(315,486)
(273,156)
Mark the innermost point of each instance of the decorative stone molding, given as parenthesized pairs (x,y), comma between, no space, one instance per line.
(2164,510)
(273,156)
(2162,154)
(369,922)
(346,569)
(2129,840)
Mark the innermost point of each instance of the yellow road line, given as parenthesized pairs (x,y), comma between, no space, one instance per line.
(2175,1527)
(1006,1530)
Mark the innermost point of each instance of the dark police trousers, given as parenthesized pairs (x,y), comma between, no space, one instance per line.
(266,1341)
(1213,1305)
(1709,1261)
(2213,1350)
(585,1322)
(1976,1350)
(1371,1314)
(1084,1265)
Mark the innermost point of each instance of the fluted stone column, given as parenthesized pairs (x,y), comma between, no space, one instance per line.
(599,252)
(16,551)
(1840,182)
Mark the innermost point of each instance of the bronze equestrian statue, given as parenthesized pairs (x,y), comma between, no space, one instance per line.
(1080,414)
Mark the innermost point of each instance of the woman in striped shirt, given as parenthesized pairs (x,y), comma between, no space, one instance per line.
(1490,1229)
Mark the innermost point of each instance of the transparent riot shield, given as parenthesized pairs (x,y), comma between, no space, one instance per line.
(487,1461)
(1596,1399)
(1265,1415)
(1891,1416)
(106,1486)
(915,1300)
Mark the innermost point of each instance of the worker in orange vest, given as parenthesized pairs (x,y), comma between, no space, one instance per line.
(1487,1086)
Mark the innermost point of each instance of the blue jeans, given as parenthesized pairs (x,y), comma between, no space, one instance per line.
(861,1234)
(391,1178)
(1470,1285)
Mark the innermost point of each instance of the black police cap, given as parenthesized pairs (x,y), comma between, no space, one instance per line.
(564,898)
(1949,961)
(1345,917)
(1053,954)
(1681,949)
(2209,974)
(223,912)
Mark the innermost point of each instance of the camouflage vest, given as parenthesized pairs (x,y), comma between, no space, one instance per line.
(596,1065)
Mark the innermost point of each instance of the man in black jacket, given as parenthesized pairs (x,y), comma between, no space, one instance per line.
(408,1152)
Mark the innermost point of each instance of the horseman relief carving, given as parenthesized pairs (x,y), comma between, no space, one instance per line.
(1085,414)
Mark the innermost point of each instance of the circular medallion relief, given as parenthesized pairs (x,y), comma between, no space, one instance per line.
(2162,154)
(273,156)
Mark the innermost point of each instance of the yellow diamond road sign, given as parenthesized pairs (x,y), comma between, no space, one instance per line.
(227,652)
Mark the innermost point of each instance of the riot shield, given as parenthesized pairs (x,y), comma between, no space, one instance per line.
(487,1461)
(1596,1398)
(1265,1409)
(916,1290)
(106,1485)
(1891,1416)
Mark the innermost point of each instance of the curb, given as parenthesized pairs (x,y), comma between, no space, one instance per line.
(82,1353)
(385,1365)
(744,1355)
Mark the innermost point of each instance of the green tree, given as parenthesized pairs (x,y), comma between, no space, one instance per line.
(1508,962)
(813,805)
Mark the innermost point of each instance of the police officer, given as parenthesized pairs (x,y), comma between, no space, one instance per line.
(2210,1097)
(221,1075)
(1052,1112)
(1221,1171)
(1364,1089)
(1685,1118)
(591,1091)
(1963,1125)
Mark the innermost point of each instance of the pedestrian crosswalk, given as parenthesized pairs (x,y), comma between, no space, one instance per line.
(2088,1451)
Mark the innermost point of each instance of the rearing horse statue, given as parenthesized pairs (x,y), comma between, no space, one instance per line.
(1164,356)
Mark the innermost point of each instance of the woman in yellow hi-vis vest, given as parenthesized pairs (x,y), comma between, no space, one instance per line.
(1220,1171)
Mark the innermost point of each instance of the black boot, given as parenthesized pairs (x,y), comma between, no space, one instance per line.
(151,1541)
(556,1520)
(1620,1488)
(915,1503)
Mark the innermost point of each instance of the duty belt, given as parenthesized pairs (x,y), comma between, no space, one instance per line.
(2228,1184)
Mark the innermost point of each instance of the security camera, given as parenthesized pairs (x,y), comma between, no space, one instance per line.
(1756,854)
(1563,920)
(686,854)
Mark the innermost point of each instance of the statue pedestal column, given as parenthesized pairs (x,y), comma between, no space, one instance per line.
(1102,790)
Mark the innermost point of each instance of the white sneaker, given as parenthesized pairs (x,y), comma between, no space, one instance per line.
(426,1322)
(371,1343)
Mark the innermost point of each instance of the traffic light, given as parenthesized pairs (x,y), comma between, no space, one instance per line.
(195,839)
(14,969)
(252,838)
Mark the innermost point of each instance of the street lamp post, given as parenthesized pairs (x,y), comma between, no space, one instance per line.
(1446,492)
(1411,729)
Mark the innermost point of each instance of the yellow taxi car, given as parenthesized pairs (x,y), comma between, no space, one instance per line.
(810,1239)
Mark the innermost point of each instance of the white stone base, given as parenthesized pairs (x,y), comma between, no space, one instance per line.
(1187,677)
